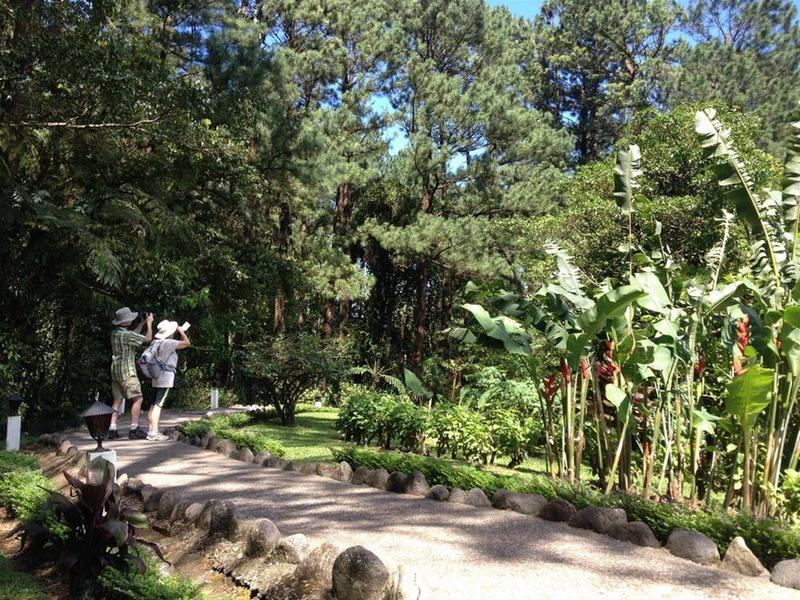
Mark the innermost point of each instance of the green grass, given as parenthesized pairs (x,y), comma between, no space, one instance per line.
(16,585)
(311,438)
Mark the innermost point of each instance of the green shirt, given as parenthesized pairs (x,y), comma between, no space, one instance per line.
(124,346)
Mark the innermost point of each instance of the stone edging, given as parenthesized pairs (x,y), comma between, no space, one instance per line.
(246,550)
(686,544)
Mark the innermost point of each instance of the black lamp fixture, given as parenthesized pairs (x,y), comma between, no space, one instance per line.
(98,421)
(14,402)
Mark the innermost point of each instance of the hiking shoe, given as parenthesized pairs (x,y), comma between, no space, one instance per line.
(157,437)
(113,434)
(137,434)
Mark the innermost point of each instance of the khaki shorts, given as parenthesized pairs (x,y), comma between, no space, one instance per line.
(127,389)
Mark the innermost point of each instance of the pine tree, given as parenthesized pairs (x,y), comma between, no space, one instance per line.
(604,60)
(477,149)
(745,53)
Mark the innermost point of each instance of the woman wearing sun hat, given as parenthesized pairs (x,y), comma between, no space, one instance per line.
(170,338)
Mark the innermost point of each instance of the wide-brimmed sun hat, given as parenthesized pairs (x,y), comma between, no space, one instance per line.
(125,315)
(166,329)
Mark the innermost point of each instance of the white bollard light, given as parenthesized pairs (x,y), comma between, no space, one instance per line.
(214,399)
(13,433)
(122,407)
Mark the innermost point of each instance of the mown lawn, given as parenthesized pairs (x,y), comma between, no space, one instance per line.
(309,440)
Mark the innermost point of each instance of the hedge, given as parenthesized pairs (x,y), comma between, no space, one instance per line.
(770,540)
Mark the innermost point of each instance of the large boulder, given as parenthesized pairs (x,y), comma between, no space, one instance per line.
(275,462)
(166,504)
(245,455)
(179,512)
(227,448)
(527,504)
(218,518)
(134,487)
(694,546)
(598,518)
(439,493)
(262,538)
(343,472)
(64,447)
(150,496)
(634,532)
(359,575)
(787,573)
(309,468)
(397,483)
(379,478)
(315,571)
(361,475)
(477,497)
(739,559)
(558,509)
(417,484)
(209,441)
(457,496)
(326,469)
(193,512)
(261,457)
(290,466)
(293,548)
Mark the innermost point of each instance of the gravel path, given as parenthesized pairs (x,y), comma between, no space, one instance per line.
(456,551)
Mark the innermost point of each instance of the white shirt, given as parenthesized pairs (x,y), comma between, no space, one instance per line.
(168,355)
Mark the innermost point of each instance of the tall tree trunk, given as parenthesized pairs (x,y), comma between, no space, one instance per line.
(420,316)
(327,320)
(279,321)
(344,315)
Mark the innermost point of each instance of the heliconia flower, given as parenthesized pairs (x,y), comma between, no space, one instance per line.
(743,333)
(550,386)
(566,373)
(700,366)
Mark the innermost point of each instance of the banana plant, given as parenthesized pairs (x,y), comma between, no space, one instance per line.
(772,219)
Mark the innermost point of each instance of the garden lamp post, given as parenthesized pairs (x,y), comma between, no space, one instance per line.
(14,425)
(98,422)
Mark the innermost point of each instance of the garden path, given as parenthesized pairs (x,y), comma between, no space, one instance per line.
(454,550)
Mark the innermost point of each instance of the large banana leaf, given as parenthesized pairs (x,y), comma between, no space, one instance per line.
(749,394)
(498,328)
(791,189)
(592,321)
(626,173)
(760,210)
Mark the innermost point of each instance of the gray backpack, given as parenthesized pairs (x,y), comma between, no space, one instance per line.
(149,363)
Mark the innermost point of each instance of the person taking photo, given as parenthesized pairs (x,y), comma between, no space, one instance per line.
(169,340)
(125,344)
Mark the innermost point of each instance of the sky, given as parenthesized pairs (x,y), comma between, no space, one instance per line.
(521,8)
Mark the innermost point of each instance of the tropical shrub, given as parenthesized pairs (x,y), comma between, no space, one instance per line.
(100,530)
(368,416)
(790,495)
(277,372)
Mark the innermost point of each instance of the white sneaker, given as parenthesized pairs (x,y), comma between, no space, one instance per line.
(157,437)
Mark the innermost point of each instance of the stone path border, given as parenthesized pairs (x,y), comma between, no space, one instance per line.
(455,550)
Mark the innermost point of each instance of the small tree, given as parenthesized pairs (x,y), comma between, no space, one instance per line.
(278,371)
